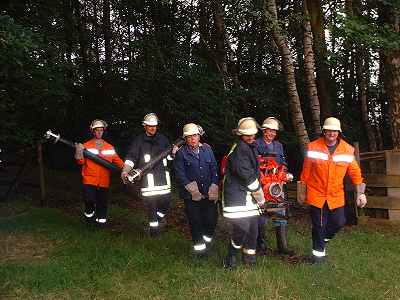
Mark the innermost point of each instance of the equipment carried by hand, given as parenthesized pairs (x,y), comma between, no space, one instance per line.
(49,135)
(135,175)
(272,178)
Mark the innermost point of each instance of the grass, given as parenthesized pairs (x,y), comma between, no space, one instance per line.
(46,254)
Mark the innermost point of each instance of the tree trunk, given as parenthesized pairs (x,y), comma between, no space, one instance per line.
(362,71)
(362,58)
(219,37)
(392,69)
(82,37)
(309,69)
(107,35)
(288,69)
(321,53)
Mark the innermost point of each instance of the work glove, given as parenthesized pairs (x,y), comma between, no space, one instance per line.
(213,192)
(259,197)
(301,192)
(193,189)
(124,174)
(175,149)
(361,199)
(79,151)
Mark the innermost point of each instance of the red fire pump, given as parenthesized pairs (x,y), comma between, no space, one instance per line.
(272,178)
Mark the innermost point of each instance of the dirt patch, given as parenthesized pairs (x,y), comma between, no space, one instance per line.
(17,247)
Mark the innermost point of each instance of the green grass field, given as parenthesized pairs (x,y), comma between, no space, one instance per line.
(46,253)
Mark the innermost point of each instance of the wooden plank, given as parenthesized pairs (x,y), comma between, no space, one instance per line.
(380,180)
(392,163)
(383,202)
(394,214)
(393,193)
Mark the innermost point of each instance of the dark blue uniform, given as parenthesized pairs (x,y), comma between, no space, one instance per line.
(241,179)
(274,149)
(155,186)
(202,168)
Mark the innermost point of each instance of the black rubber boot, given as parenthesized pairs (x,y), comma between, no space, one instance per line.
(281,240)
(154,232)
(230,261)
(261,242)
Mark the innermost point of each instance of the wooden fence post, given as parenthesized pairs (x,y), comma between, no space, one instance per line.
(43,201)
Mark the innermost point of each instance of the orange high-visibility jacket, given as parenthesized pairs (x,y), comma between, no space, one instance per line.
(323,173)
(93,173)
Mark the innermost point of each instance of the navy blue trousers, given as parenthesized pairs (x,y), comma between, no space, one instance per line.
(96,199)
(202,216)
(325,224)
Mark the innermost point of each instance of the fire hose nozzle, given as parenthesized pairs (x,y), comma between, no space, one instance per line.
(49,134)
(134,175)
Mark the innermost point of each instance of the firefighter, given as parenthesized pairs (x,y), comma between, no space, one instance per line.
(96,178)
(327,161)
(196,173)
(155,186)
(243,195)
(268,146)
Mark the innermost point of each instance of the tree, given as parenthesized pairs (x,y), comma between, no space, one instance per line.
(288,69)
(309,68)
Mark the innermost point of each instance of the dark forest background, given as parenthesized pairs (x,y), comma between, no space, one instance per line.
(67,62)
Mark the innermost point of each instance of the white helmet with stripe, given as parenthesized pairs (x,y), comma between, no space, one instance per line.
(150,119)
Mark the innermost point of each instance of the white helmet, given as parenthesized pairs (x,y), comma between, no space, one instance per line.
(246,126)
(332,124)
(271,123)
(150,119)
(97,124)
(191,128)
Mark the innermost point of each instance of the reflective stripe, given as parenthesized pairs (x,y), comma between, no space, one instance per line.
(199,247)
(326,240)
(89,215)
(317,155)
(240,208)
(249,251)
(155,188)
(241,214)
(254,185)
(129,163)
(160,214)
(101,220)
(153,224)
(235,246)
(146,157)
(207,239)
(150,181)
(164,161)
(343,158)
(318,253)
(108,152)
(168,178)
(93,150)
(155,193)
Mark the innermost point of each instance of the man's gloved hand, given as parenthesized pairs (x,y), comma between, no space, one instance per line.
(124,174)
(301,192)
(361,199)
(124,177)
(259,197)
(213,192)
(79,151)
(175,149)
(193,189)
